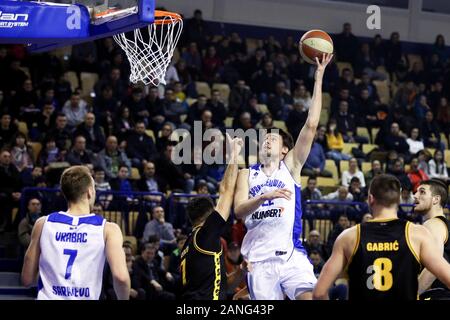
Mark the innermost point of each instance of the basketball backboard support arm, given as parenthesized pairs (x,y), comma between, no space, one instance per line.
(46,26)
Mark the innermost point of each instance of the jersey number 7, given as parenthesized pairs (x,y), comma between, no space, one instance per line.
(72,255)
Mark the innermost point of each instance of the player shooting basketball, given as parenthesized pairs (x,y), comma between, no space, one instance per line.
(268,198)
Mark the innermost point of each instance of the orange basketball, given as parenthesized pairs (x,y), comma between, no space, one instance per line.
(315,43)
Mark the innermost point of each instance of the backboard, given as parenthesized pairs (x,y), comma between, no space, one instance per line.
(47,25)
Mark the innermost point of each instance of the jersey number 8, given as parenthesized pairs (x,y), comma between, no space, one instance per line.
(380,275)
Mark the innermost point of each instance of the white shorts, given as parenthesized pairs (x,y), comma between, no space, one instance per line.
(271,279)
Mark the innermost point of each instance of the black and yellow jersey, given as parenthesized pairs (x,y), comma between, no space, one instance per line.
(438,290)
(384,265)
(202,267)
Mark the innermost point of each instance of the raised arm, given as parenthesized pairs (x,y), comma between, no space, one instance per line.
(227,185)
(297,156)
(30,267)
(116,260)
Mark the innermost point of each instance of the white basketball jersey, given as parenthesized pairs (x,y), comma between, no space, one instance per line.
(72,257)
(274,229)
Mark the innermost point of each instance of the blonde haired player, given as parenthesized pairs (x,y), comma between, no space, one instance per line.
(268,198)
(68,249)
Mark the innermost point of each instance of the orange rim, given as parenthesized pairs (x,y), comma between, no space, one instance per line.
(166,17)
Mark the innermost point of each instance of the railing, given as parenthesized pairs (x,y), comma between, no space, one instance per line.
(132,210)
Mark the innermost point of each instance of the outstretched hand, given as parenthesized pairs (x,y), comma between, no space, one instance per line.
(234,145)
(326,58)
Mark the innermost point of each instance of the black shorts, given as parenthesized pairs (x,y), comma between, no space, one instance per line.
(435,294)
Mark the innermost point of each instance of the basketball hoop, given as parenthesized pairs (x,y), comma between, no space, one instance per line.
(150,54)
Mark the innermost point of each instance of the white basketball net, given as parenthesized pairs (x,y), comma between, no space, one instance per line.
(150,54)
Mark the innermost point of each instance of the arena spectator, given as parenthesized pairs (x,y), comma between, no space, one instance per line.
(137,105)
(376,169)
(315,163)
(216,106)
(346,125)
(159,227)
(312,211)
(125,186)
(296,119)
(235,274)
(317,262)
(164,137)
(75,110)
(357,190)
(416,175)
(193,60)
(50,153)
(44,121)
(431,132)
(253,108)
(347,44)
(21,153)
(169,173)
(265,82)
(347,90)
(26,224)
(211,65)
(239,97)
(136,292)
(10,189)
(149,275)
(341,224)
(111,157)
(25,101)
(335,142)
(155,108)
(398,170)
(280,102)
(173,109)
(61,133)
(150,182)
(368,114)
(123,123)
(353,171)
(7,130)
(443,116)
(437,167)
(140,147)
(79,155)
(114,80)
(315,243)
(393,51)
(105,104)
(95,139)
(396,140)
(415,142)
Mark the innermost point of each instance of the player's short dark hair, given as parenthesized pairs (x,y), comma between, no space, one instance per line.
(288,141)
(385,188)
(75,181)
(438,188)
(199,208)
